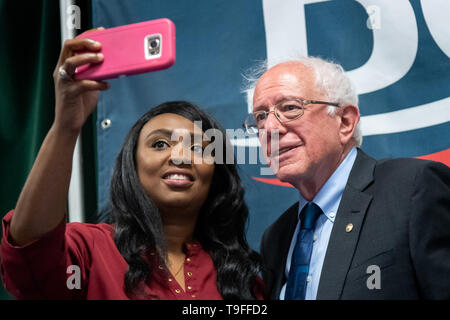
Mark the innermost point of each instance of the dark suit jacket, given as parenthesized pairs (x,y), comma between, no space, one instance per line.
(400,211)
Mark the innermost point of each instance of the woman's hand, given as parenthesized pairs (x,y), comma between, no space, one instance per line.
(75,100)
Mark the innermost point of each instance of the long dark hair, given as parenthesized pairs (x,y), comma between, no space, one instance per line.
(220,226)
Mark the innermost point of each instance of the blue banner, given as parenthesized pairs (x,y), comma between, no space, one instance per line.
(396,53)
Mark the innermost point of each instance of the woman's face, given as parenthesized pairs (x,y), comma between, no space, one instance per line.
(173,173)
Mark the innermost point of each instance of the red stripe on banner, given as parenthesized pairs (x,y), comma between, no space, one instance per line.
(273,181)
(441,156)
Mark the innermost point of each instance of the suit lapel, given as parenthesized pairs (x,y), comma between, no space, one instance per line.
(343,242)
(281,251)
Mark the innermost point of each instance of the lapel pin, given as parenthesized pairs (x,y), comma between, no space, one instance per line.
(349,227)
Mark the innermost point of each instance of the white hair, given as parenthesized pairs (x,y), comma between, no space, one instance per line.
(330,78)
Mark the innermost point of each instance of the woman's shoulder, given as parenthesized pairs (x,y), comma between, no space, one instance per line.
(91,240)
(90,231)
(91,227)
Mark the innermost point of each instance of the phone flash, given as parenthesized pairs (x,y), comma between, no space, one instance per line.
(153,46)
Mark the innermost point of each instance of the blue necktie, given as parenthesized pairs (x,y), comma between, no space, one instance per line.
(296,284)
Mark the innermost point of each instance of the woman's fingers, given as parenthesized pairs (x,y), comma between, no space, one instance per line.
(82,43)
(95,29)
(90,85)
(70,64)
(77,44)
(71,47)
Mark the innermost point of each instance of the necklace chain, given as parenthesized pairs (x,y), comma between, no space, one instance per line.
(179,269)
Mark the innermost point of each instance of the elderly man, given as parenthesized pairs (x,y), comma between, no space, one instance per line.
(362,228)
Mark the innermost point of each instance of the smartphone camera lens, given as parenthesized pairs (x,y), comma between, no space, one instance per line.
(153,46)
(154,43)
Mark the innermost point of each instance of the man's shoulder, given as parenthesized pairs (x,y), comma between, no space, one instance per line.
(394,172)
(403,162)
(401,166)
(409,167)
(283,223)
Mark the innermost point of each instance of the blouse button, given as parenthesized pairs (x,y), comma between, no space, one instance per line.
(189,274)
(194,296)
(188,259)
(170,279)
(189,287)
(177,290)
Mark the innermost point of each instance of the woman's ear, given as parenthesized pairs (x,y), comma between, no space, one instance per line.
(349,119)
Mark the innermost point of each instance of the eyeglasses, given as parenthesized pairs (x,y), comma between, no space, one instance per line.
(285,111)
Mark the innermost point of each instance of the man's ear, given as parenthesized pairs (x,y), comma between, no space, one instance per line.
(349,119)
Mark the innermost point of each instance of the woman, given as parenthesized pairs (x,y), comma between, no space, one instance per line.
(177,224)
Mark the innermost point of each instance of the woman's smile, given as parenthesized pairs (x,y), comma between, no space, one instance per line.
(178,179)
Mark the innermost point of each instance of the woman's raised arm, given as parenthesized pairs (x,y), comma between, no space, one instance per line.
(42,202)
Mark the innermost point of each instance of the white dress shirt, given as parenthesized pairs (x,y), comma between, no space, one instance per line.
(328,199)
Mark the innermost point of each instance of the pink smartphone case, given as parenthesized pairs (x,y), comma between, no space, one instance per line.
(124,49)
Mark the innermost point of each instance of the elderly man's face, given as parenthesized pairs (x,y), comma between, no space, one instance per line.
(309,147)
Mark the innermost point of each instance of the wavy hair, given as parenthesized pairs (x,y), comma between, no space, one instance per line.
(220,227)
(330,77)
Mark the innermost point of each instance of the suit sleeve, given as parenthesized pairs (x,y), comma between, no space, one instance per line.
(430,230)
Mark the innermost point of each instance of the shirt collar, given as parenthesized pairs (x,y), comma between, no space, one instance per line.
(329,196)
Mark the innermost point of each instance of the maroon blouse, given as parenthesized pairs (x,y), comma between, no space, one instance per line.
(47,268)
